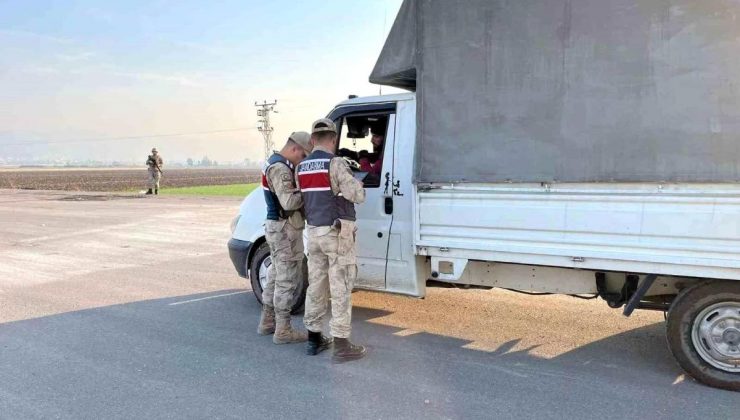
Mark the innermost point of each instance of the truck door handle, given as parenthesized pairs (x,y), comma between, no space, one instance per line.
(389,205)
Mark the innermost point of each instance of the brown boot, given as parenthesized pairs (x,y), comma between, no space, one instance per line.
(285,334)
(267,321)
(345,351)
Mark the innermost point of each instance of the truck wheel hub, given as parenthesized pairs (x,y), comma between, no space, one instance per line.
(731,336)
(716,336)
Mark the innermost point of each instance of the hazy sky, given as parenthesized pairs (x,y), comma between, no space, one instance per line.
(91,70)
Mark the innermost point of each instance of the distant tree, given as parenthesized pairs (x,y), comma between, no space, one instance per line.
(190,162)
(205,161)
(215,163)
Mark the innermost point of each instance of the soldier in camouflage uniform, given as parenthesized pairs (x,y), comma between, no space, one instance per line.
(154,166)
(329,194)
(284,234)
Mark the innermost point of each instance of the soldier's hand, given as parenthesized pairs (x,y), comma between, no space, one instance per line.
(352,163)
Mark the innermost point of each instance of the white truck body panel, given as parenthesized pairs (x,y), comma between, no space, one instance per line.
(674,229)
(405,272)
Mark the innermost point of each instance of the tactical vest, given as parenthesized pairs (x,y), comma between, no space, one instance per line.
(274,209)
(321,206)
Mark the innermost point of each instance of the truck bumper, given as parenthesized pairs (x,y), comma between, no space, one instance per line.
(239,252)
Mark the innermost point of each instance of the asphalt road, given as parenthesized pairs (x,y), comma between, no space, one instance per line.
(129,308)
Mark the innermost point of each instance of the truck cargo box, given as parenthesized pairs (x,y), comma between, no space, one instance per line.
(570,90)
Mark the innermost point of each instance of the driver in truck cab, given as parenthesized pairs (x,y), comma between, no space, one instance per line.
(330,193)
(284,235)
(373,163)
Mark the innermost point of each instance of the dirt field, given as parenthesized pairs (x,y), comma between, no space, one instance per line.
(119,179)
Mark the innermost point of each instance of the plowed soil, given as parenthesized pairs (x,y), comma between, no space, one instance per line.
(119,179)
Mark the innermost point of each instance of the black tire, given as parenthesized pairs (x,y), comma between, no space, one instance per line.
(685,311)
(263,252)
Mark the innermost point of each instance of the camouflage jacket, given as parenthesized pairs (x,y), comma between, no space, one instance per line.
(154,161)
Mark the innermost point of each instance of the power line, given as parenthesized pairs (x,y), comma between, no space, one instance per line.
(150,136)
(263,111)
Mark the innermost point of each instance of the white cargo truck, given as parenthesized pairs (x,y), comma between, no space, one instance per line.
(586,154)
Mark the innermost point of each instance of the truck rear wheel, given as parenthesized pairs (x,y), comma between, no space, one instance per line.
(703,333)
(258,270)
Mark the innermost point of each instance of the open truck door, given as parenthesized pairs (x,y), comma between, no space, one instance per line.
(366,137)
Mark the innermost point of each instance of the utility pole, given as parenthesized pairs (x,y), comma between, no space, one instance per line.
(263,111)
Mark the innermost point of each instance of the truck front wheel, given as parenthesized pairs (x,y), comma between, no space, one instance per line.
(258,274)
(703,333)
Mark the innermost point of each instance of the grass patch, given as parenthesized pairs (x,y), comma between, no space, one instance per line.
(235,190)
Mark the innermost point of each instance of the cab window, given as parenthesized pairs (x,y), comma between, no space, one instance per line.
(362,141)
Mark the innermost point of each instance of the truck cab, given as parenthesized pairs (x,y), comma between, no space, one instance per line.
(386,256)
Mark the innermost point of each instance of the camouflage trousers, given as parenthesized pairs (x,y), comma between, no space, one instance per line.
(284,275)
(154,177)
(332,270)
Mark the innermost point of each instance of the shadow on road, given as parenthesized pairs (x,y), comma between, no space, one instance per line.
(637,355)
(195,357)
